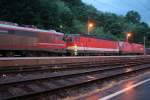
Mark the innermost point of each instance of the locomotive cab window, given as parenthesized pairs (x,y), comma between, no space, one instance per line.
(70,39)
(73,37)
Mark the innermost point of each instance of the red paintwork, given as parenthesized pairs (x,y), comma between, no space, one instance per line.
(55,41)
(50,46)
(131,48)
(47,40)
(137,48)
(83,41)
(126,48)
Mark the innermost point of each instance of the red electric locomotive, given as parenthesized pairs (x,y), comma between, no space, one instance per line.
(87,45)
(131,48)
(138,48)
(23,41)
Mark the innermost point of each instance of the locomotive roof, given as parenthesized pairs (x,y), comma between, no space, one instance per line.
(28,29)
(93,36)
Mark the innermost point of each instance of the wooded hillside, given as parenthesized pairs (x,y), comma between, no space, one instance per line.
(71,16)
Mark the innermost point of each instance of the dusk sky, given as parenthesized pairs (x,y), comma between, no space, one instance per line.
(121,7)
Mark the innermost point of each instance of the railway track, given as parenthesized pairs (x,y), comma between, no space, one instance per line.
(64,66)
(27,83)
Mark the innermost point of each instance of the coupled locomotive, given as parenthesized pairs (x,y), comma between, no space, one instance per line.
(25,41)
(87,45)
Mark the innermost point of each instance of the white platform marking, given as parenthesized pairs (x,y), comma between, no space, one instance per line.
(124,90)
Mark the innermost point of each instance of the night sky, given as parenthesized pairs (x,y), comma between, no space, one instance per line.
(121,7)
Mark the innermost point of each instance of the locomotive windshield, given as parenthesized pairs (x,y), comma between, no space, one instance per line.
(72,37)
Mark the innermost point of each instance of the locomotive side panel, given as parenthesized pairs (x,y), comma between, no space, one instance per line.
(14,39)
(138,48)
(51,42)
(29,41)
(126,48)
(99,45)
(90,45)
(131,48)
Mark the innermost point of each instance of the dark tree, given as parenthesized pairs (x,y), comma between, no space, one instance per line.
(133,16)
(71,16)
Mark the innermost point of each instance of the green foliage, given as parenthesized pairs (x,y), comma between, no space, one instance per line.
(78,27)
(71,16)
(133,16)
(100,32)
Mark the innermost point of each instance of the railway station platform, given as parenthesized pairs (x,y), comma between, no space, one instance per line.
(25,61)
(133,89)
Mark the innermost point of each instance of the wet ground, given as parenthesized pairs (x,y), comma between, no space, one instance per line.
(133,89)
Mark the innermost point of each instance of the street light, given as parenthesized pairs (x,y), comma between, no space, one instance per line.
(144,39)
(90,27)
(128,35)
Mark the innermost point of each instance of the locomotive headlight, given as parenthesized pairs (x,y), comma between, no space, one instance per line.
(75,47)
(73,50)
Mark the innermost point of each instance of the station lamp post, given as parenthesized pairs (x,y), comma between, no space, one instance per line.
(128,35)
(90,27)
(144,40)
